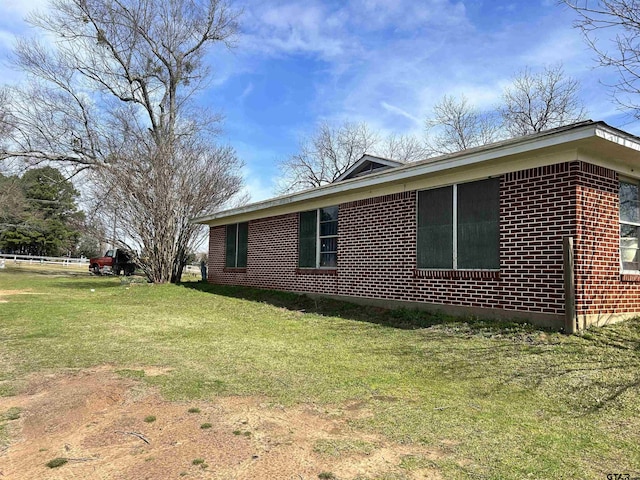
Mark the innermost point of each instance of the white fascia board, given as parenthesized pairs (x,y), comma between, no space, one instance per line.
(618,137)
(430,167)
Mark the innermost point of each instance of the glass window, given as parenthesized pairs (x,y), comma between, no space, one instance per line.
(236,245)
(459,226)
(629,226)
(479,225)
(435,228)
(318,238)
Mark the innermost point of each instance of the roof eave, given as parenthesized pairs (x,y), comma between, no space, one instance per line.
(430,166)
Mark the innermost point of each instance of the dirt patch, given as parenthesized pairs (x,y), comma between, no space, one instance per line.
(101,422)
(6,293)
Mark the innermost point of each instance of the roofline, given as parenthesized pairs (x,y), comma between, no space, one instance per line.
(519,145)
(369,158)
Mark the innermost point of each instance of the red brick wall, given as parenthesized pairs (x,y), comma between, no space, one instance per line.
(377,249)
(600,287)
(272,258)
(536,212)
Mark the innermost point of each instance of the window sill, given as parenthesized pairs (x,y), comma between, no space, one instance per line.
(234,270)
(457,274)
(630,277)
(316,271)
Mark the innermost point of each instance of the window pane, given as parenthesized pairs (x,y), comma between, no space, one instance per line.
(629,203)
(629,236)
(435,228)
(307,239)
(328,259)
(243,240)
(328,228)
(479,224)
(329,213)
(230,250)
(329,244)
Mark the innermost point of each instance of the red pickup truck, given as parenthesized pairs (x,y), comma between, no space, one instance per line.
(116,261)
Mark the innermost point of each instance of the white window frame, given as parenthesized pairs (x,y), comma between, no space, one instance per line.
(320,237)
(621,222)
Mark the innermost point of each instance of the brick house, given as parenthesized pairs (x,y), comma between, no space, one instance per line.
(542,228)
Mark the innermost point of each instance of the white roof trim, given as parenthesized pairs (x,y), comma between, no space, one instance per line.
(506,148)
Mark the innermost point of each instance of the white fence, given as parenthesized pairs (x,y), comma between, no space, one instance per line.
(6,258)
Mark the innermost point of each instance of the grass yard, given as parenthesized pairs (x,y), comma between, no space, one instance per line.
(499,400)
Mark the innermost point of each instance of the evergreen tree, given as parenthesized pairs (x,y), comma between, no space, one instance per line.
(44,217)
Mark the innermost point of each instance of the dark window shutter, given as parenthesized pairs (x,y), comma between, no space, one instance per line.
(435,228)
(307,239)
(230,250)
(479,225)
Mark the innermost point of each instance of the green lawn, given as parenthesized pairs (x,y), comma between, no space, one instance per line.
(503,400)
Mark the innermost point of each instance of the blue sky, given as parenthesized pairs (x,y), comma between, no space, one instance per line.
(386,62)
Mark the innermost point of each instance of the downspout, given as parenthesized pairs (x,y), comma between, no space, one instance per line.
(570,319)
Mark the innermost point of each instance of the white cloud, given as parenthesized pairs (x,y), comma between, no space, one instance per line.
(277,29)
(399,111)
(257,186)
(23,7)
(247,91)
(7,39)
(406,15)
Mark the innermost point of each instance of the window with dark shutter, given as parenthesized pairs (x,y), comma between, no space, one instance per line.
(318,238)
(435,228)
(307,239)
(459,226)
(236,245)
(230,252)
(479,225)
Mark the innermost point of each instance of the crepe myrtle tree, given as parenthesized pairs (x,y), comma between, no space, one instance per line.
(113,93)
(149,202)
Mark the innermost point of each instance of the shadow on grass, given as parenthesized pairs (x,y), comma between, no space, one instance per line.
(403,318)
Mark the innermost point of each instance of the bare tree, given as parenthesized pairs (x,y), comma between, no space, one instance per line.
(150,200)
(331,150)
(540,101)
(621,18)
(325,155)
(6,124)
(114,93)
(405,148)
(457,125)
